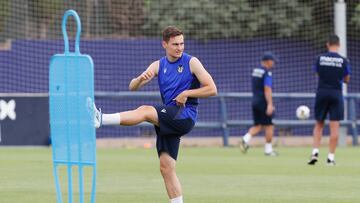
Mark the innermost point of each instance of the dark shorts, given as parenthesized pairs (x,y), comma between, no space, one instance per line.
(170,129)
(259,113)
(329,101)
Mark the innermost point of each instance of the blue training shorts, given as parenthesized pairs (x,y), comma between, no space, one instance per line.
(329,101)
(259,113)
(170,129)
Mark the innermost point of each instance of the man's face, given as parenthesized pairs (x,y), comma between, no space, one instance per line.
(269,63)
(175,46)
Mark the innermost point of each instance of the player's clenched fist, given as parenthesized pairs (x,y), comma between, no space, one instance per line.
(147,75)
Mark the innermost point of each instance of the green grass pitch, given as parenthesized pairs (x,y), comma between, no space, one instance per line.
(208,175)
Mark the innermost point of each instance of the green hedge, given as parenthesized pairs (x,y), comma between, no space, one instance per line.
(209,19)
(4,12)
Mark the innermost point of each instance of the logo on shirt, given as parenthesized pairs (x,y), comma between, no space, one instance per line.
(163,110)
(180,68)
(258,72)
(331,61)
(165,70)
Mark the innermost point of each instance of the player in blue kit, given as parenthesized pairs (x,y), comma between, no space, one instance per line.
(333,70)
(182,80)
(262,105)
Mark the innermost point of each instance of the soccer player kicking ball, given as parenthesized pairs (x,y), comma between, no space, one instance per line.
(332,70)
(182,80)
(262,105)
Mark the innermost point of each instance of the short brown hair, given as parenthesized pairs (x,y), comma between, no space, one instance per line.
(333,39)
(171,31)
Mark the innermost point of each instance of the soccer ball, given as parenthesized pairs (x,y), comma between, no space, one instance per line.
(303,112)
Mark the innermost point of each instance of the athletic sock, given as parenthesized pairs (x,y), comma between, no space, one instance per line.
(331,156)
(315,151)
(268,147)
(247,137)
(111,119)
(177,200)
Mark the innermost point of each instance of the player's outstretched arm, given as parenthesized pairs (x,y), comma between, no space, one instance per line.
(207,89)
(145,77)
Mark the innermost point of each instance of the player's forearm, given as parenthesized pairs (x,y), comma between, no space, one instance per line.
(268,96)
(136,84)
(202,92)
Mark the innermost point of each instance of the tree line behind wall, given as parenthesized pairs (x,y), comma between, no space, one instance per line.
(201,19)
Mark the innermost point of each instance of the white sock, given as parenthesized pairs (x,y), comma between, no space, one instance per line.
(111,119)
(268,147)
(247,137)
(177,200)
(314,151)
(331,156)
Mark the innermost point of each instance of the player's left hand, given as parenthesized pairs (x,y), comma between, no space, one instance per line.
(181,99)
(270,110)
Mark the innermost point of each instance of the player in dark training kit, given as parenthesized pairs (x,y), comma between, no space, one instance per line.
(182,80)
(262,105)
(332,70)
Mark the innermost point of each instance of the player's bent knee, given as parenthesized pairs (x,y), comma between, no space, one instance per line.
(144,108)
(149,113)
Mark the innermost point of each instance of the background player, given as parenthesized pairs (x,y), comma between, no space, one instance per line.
(262,105)
(182,79)
(332,70)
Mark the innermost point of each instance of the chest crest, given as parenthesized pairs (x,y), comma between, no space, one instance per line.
(180,69)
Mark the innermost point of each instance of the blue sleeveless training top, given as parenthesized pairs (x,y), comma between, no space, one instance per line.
(174,78)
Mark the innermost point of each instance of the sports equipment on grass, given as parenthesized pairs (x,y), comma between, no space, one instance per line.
(71,91)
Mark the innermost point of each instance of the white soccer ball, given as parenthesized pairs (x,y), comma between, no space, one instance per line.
(303,112)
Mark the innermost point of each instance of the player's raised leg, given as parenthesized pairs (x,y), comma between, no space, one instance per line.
(127,118)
